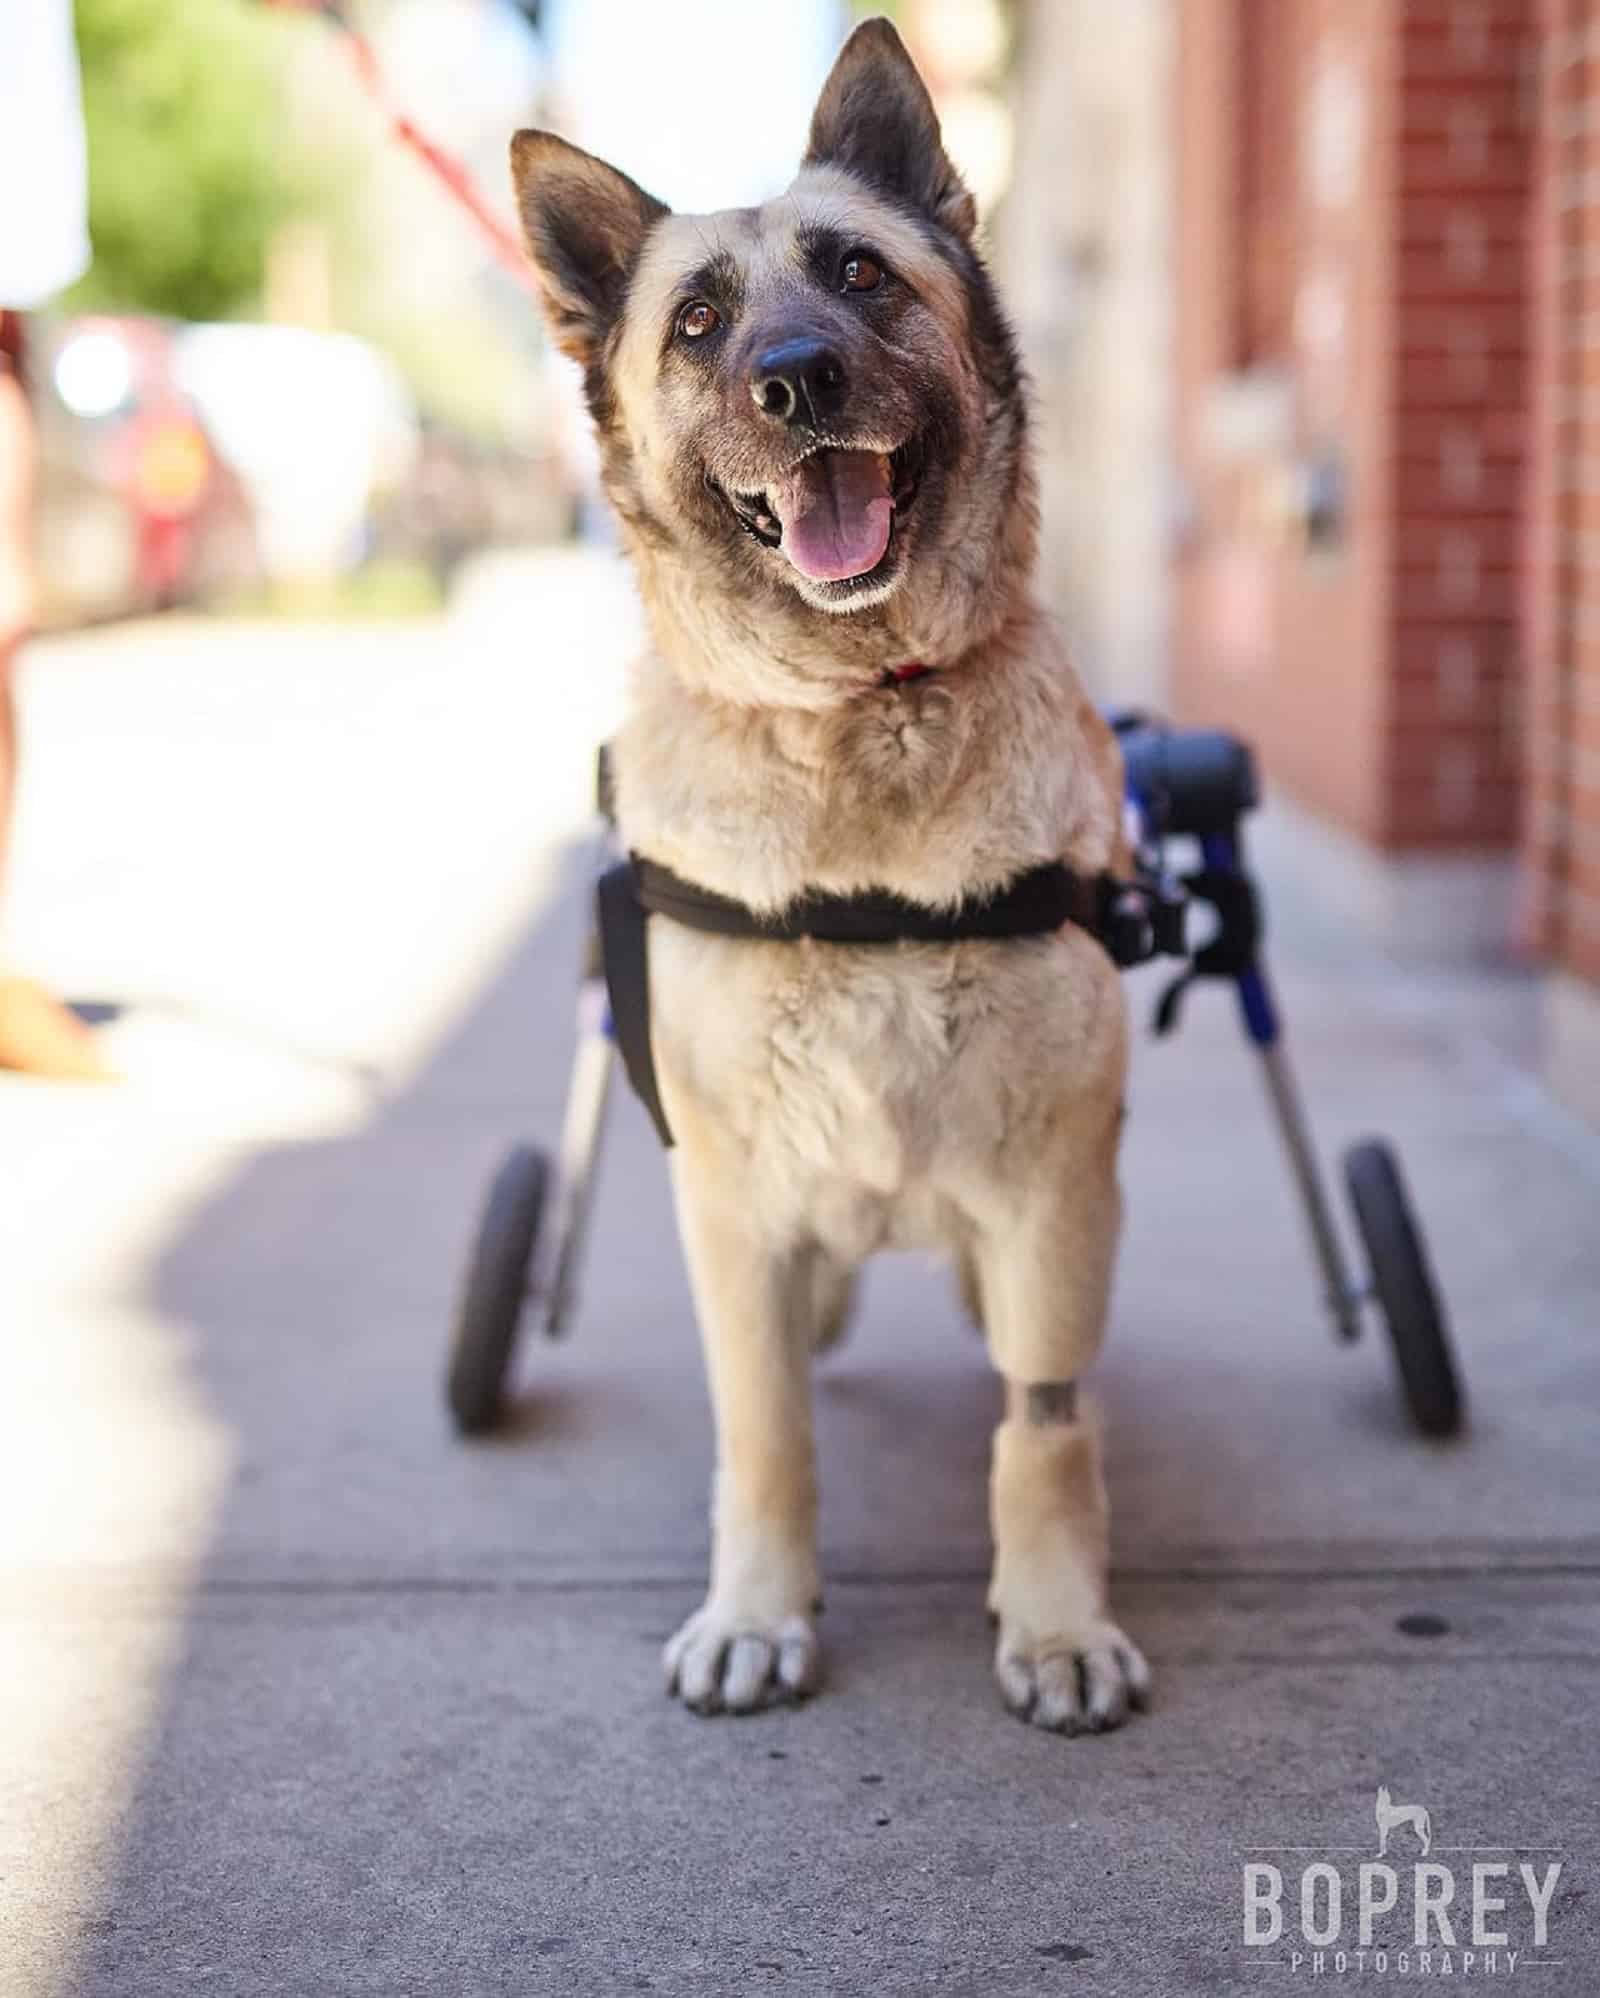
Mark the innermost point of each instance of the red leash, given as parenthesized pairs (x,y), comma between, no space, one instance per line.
(445,167)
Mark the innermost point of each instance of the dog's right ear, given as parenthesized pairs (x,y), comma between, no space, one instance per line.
(876,119)
(584,224)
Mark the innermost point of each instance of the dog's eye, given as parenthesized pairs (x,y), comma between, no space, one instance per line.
(860,273)
(697,320)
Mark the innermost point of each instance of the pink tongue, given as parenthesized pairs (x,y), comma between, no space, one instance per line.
(836,514)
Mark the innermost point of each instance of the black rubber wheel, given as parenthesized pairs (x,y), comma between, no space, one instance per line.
(1403,1280)
(494,1291)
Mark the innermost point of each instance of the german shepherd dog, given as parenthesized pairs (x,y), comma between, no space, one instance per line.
(812,426)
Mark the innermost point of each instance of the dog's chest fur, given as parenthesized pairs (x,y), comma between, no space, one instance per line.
(856,1067)
(940,789)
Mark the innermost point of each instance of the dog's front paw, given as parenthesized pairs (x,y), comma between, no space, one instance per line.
(1080,1683)
(722,1662)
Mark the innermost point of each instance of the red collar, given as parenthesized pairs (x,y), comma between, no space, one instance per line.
(914,669)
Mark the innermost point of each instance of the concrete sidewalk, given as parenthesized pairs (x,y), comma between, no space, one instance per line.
(303,1696)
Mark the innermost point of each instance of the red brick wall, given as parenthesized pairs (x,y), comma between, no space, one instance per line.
(1561,607)
(1460,389)
(1379,678)
(1267,58)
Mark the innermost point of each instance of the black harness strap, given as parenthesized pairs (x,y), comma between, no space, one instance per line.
(1134,921)
(1035,903)
(625,958)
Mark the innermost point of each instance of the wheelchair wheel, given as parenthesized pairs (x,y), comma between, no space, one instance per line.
(1402,1279)
(494,1291)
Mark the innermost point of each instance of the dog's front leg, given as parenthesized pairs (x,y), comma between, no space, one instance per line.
(752,1641)
(1061,1661)
(1044,1273)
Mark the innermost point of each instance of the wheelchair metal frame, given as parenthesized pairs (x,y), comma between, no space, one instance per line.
(1191,786)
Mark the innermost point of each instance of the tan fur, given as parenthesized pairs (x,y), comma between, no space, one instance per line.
(829,1101)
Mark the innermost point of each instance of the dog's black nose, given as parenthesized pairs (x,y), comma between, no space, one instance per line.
(799,381)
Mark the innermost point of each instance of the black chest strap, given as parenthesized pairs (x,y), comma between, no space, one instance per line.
(1132,920)
(625,959)
(1032,905)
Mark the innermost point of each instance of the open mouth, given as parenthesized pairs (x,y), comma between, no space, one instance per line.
(834,515)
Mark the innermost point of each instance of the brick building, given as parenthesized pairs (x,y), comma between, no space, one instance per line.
(1561,604)
(1382,249)
(1352,383)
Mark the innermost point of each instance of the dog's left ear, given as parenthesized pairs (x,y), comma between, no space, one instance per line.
(584,223)
(876,119)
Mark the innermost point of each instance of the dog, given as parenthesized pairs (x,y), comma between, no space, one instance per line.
(812,426)
(1390,1814)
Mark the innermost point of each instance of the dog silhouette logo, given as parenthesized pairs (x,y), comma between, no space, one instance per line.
(1390,1814)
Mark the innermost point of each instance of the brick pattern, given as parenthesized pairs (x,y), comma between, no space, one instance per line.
(1561,607)
(1392,702)
(1459,421)
(1267,57)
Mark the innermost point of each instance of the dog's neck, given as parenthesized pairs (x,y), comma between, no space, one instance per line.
(762,646)
(936,788)
(786,656)
(770,747)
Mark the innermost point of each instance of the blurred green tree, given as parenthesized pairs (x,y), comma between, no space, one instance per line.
(187,156)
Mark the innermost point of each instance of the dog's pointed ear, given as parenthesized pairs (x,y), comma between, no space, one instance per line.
(584,224)
(876,119)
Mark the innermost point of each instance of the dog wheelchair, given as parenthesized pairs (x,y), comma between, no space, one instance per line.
(1183,785)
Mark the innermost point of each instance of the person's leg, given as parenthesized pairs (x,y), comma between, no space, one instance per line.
(38,1035)
(16,569)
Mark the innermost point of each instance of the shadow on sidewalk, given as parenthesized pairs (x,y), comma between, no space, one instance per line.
(416,1675)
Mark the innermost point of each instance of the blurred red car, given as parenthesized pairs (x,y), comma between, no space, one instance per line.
(138,510)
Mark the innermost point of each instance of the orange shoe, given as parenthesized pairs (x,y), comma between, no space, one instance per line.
(39,1036)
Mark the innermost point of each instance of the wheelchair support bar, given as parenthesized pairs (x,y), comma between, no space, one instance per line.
(1344,1295)
(555,1285)
(1223,860)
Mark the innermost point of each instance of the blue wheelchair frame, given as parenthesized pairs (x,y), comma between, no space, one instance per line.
(1222,855)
